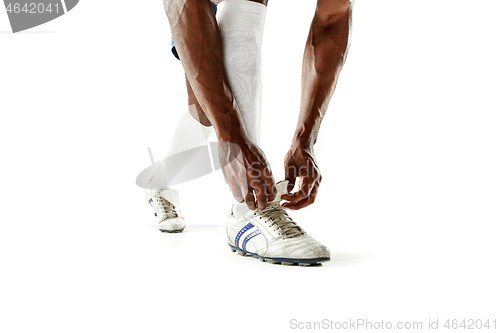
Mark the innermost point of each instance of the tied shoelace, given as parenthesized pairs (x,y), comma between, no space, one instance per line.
(167,210)
(276,215)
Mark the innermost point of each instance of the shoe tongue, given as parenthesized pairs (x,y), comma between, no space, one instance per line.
(282,189)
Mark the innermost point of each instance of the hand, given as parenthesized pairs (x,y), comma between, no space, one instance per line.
(300,162)
(248,174)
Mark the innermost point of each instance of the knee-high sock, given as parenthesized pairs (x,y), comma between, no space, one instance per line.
(189,134)
(241,25)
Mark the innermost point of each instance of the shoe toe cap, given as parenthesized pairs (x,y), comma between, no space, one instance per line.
(304,247)
(319,251)
(172,224)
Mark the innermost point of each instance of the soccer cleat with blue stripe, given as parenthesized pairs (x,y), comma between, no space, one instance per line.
(165,204)
(271,235)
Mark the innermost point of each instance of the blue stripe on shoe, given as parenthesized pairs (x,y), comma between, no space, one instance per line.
(247,238)
(241,232)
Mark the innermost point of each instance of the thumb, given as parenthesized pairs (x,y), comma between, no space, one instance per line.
(291,176)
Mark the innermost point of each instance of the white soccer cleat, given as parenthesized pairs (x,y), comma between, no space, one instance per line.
(271,235)
(165,203)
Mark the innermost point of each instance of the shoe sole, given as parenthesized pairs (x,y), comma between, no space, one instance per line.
(171,231)
(282,261)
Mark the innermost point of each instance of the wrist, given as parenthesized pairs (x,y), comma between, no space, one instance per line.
(303,141)
(233,133)
(229,126)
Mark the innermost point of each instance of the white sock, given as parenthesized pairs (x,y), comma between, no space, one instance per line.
(241,25)
(189,133)
(239,209)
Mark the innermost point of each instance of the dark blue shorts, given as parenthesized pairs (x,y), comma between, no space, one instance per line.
(174,51)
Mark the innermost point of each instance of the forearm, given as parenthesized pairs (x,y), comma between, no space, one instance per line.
(198,43)
(324,57)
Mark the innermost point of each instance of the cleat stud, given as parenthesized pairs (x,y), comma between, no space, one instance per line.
(241,253)
(285,263)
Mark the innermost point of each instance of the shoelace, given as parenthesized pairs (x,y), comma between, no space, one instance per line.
(167,209)
(276,215)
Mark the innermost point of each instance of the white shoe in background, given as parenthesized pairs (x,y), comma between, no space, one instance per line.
(165,203)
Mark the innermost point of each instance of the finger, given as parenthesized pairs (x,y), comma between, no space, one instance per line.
(233,186)
(303,203)
(291,176)
(260,191)
(238,195)
(305,188)
(271,190)
(269,184)
(298,205)
(250,200)
(236,190)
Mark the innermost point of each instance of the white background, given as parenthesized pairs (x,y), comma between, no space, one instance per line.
(409,151)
